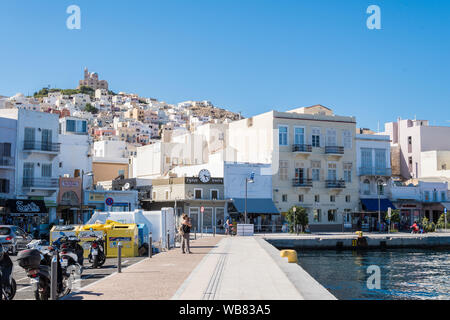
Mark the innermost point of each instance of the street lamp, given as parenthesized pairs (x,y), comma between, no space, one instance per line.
(247,181)
(90,174)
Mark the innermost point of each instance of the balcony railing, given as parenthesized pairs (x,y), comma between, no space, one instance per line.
(302,183)
(387,172)
(334,150)
(6,161)
(336,184)
(40,183)
(41,146)
(301,148)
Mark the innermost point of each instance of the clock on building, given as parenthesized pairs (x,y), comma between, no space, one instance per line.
(204,175)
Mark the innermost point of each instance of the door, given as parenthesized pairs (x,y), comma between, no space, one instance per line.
(193,214)
(29,138)
(28,174)
(46,139)
(208,220)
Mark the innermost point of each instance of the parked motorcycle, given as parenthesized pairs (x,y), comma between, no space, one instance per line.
(97,252)
(36,261)
(71,254)
(8,285)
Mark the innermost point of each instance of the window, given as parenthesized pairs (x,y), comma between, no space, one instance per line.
(46,170)
(284,198)
(4,186)
(46,139)
(331,137)
(315,137)
(299,174)
(121,172)
(214,194)
(380,185)
(332,171)
(299,135)
(366,158)
(347,198)
(5,149)
(300,198)
(70,126)
(435,196)
(315,171)
(30,134)
(317,198)
(331,215)
(347,138)
(198,193)
(332,198)
(347,172)
(284,169)
(317,215)
(427,195)
(366,187)
(28,170)
(283,135)
(380,160)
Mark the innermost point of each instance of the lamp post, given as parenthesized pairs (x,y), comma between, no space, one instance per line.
(90,173)
(247,181)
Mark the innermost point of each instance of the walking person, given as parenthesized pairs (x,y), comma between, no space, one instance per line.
(185,230)
(227,226)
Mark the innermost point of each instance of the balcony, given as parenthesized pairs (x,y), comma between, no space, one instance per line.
(305,183)
(41,146)
(41,183)
(335,184)
(334,150)
(385,172)
(302,148)
(6,161)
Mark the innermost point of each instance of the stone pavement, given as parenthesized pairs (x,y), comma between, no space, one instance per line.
(222,268)
(157,278)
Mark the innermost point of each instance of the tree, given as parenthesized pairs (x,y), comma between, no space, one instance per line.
(441,222)
(90,108)
(299,217)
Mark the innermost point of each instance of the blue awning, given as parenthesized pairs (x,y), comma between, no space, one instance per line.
(261,206)
(372,204)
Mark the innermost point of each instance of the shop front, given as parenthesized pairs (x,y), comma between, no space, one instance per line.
(410,211)
(26,214)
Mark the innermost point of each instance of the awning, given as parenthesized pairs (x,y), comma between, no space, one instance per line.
(372,204)
(261,206)
(446,205)
(26,207)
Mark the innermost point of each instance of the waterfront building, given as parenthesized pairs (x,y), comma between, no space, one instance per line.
(409,139)
(313,157)
(373,161)
(36,158)
(110,160)
(8,145)
(189,195)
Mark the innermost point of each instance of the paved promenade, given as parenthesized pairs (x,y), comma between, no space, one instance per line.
(157,278)
(222,268)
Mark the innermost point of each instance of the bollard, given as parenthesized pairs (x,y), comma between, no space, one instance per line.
(150,249)
(214,231)
(195,233)
(119,257)
(54,277)
(168,240)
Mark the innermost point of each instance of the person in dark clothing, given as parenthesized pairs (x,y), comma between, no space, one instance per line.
(185,230)
(6,266)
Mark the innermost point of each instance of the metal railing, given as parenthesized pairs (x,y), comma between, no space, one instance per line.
(334,150)
(40,183)
(302,182)
(370,171)
(30,145)
(301,148)
(335,183)
(6,161)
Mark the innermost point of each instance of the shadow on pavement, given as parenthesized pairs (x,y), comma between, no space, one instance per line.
(75,296)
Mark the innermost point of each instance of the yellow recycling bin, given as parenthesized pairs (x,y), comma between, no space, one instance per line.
(127,234)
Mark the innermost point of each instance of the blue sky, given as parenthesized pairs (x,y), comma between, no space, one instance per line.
(249,55)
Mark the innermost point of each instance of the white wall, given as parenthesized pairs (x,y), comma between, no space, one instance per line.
(234,181)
